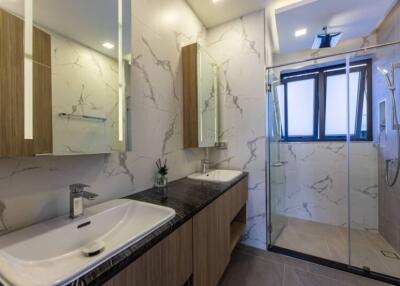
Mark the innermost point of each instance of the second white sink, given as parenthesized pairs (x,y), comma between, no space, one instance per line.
(217,176)
(51,253)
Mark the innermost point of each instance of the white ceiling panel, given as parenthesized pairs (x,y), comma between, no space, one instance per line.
(355,18)
(214,13)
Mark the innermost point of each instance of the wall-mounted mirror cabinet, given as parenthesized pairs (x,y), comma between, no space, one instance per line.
(65,70)
(200,98)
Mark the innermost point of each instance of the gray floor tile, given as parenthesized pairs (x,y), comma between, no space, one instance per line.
(254,267)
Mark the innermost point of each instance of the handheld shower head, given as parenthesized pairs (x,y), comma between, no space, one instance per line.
(386,74)
(390,81)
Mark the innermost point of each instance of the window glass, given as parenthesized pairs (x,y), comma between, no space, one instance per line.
(300,105)
(280,90)
(364,119)
(336,104)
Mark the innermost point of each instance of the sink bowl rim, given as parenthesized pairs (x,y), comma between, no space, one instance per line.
(90,265)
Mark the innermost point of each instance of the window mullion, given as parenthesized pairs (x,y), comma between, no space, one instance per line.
(321,100)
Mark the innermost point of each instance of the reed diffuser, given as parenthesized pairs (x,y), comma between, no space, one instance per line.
(161,180)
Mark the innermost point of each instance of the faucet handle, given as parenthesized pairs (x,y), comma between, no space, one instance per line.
(75,188)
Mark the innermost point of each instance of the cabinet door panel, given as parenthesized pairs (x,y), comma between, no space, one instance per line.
(211,242)
(239,197)
(169,263)
(12,142)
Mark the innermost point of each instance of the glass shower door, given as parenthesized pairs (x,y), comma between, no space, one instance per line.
(308,171)
(374,204)
(277,182)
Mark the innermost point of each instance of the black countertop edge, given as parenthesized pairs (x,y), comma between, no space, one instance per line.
(187,197)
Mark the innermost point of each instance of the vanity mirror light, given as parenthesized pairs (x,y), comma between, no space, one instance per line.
(200,98)
(65,70)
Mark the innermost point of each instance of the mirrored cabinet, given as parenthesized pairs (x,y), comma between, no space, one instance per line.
(200,98)
(65,69)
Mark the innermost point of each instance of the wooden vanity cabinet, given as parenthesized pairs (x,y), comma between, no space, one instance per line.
(211,241)
(216,231)
(168,263)
(198,252)
(239,193)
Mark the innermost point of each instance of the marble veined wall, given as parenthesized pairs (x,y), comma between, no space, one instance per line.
(313,181)
(238,48)
(84,82)
(35,189)
(389,197)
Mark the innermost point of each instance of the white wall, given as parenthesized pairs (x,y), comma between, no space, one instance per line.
(238,48)
(34,189)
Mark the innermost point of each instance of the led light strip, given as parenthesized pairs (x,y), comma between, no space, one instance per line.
(28,70)
(121,85)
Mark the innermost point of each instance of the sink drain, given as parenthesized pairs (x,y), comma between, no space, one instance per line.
(94,248)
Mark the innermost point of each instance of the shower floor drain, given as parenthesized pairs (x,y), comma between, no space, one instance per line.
(390,254)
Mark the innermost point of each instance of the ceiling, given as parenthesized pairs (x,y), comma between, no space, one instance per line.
(213,14)
(89,22)
(355,18)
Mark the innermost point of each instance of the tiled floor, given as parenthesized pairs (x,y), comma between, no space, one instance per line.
(331,242)
(253,267)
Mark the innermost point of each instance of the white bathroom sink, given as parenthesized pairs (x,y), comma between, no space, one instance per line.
(50,253)
(217,176)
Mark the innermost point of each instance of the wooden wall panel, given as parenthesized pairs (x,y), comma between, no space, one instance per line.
(169,263)
(41,47)
(190,120)
(42,93)
(42,106)
(12,141)
(11,85)
(211,242)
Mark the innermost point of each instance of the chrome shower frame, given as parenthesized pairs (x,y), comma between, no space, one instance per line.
(347,267)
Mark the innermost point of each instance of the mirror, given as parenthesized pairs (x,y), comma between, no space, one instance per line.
(207,99)
(70,75)
(200,97)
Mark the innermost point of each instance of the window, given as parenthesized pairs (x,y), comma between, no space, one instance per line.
(301,104)
(313,103)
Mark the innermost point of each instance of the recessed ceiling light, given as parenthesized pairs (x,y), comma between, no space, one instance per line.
(301,32)
(108,45)
(216,1)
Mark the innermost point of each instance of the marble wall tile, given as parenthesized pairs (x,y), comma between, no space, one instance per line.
(84,82)
(238,48)
(389,197)
(312,184)
(35,189)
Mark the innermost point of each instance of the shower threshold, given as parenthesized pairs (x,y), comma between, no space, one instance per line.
(371,255)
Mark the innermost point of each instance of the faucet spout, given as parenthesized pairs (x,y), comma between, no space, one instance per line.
(89,196)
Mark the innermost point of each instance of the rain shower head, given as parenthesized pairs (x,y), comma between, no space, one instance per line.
(386,74)
(326,40)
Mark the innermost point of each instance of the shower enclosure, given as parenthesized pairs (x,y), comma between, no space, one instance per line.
(332,131)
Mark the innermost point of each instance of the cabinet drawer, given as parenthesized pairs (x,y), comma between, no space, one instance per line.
(238,197)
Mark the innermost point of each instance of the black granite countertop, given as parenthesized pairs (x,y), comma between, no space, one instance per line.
(187,197)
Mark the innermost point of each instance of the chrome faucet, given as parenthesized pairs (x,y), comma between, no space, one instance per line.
(205,166)
(76,196)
